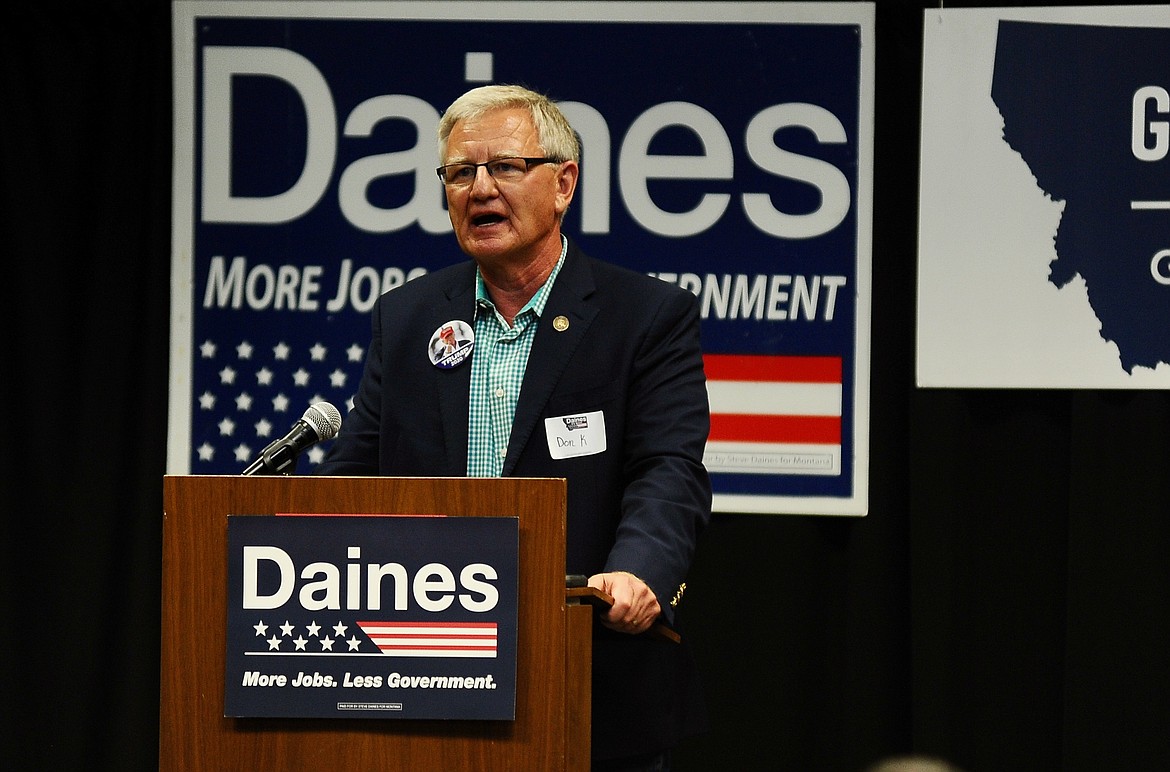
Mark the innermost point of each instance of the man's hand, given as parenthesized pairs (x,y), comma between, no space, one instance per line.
(635,608)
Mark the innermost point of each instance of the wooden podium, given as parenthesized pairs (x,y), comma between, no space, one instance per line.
(552,724)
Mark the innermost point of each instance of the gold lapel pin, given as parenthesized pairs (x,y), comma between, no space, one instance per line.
(561,323)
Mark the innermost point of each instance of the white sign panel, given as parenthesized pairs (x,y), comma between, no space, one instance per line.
(1044,219)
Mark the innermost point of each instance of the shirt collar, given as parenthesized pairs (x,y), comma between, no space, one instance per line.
(538,301)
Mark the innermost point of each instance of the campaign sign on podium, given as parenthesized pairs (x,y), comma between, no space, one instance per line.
(397,617)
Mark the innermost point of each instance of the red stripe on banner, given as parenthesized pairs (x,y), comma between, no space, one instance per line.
(819,430)
(388,647)
(401,636)
(351,514)
(416,625)
(392,637)
(747,367)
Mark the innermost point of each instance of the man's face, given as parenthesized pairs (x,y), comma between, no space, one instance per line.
(507,223)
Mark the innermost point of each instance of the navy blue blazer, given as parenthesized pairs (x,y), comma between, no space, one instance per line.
(630,350)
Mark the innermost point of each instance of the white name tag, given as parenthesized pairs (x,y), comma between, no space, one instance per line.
(570,436)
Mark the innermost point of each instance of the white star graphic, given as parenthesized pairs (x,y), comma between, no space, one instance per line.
(316,454)
(286,628)
(207,350)
(354,643)
(264,377)
(300,643)
(244,350)
(313,628)
(206,400)
(317,352)
(280,350)
(337,379)
(340,629)
(280,403)
(263,427)
(273,643)
(226,427)
(354,353)
(243,452)
(206,452)
(301,377)
(227,376)
(244,401)
(261,628)
(326,644)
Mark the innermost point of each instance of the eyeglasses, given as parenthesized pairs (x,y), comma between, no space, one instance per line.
(501,169)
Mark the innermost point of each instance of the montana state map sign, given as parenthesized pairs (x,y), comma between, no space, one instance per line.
(1044,249)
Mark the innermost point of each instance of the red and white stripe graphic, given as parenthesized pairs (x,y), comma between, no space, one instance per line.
(433,639)
(774,414)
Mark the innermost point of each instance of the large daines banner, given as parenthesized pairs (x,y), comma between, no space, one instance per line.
(727,148)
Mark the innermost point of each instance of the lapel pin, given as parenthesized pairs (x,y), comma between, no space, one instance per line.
(561,323)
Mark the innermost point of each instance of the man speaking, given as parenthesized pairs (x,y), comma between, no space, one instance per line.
(535,360)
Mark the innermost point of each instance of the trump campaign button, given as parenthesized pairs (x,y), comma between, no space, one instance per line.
(451,344)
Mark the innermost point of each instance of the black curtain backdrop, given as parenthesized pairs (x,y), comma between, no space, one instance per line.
(1003,605)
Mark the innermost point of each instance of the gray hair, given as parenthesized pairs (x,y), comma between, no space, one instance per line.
(557,138)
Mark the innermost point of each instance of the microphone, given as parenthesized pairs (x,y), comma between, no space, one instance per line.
(320,422)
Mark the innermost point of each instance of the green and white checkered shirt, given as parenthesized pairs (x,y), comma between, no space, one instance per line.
(497,373)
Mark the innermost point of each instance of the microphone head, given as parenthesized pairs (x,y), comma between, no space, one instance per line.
(325,420)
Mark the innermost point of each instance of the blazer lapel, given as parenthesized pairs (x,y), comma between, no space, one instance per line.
(551,348)
(454,387)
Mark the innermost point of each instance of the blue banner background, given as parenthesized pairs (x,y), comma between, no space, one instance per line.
(732,70)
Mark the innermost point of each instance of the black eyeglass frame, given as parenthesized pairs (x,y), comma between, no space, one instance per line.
(528,164)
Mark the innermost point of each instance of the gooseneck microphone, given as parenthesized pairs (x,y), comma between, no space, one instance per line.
(320,422)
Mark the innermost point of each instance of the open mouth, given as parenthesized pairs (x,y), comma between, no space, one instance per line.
(486,219)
